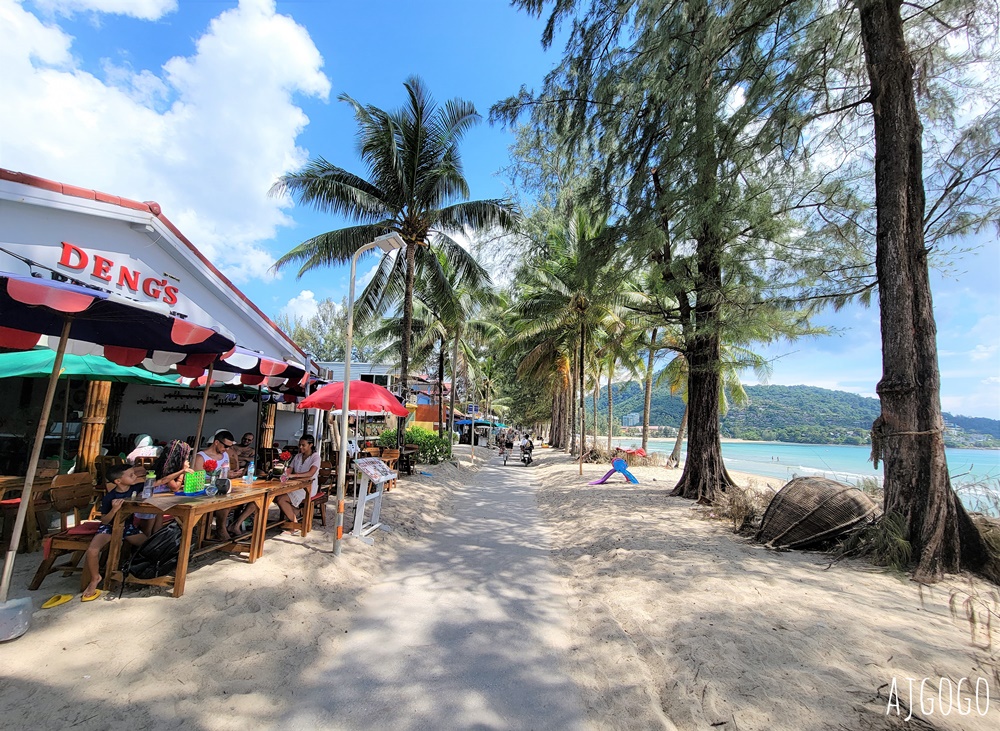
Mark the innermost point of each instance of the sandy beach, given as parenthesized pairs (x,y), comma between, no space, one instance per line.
(673,622)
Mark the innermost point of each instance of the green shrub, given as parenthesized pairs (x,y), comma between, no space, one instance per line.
(433,448)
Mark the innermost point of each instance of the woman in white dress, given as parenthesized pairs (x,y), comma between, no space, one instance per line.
(304,465)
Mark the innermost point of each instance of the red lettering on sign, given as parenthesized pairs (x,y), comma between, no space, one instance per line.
(128,278)
(102,268)
(150,287)
(68,252)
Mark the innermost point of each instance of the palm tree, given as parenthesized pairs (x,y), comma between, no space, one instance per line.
(570,298)
(444,311)
(414,187)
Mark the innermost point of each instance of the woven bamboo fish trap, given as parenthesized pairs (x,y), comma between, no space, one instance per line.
(810,510)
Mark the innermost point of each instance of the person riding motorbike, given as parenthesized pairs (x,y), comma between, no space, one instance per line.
(526,448)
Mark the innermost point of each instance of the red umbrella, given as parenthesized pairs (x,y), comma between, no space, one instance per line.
(364,396)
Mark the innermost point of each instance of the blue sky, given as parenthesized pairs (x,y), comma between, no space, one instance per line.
(200,105)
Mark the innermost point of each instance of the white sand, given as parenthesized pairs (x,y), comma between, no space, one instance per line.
(676,623)
(681,624)
(226,655)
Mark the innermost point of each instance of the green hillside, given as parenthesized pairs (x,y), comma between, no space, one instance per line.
(793,414)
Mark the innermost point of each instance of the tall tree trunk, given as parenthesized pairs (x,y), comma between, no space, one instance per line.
(553,437)
(404,347)
(675,455)
(649,392)
(442,344)
(597,396)
(705,473)
(571,443)
(583,397)
(910,429)
(454,384)
(611,400)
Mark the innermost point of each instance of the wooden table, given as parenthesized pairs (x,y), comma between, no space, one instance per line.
(188,511)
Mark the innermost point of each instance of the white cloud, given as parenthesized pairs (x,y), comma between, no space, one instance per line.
(362,280)
(143,9)
(302,306)
(982,352)
(205,136)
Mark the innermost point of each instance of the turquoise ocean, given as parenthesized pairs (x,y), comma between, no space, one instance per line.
(835,461)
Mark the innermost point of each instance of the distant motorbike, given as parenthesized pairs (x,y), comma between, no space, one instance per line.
(526,455)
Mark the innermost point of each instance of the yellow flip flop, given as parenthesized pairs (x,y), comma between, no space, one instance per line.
(57,600)
(92,597)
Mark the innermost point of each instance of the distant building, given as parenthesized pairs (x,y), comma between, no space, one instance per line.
(633,419)
(383,375)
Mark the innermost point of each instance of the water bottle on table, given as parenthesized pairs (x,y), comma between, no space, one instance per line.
(251,474)
(147,487)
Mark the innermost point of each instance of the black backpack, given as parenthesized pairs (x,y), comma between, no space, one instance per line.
(157,556)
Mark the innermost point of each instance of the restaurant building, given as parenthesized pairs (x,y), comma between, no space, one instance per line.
(52,230)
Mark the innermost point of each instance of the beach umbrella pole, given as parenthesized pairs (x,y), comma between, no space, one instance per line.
(204,404)
(15,615)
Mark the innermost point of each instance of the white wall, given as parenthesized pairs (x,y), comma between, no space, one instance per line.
(164,425)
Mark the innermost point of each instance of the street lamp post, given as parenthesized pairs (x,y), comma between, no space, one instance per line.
(388,243)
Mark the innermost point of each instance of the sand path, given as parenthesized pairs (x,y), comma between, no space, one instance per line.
(466,630)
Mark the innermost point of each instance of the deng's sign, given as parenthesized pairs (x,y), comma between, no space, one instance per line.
(76,260)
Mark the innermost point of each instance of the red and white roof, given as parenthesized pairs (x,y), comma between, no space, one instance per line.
(130,247)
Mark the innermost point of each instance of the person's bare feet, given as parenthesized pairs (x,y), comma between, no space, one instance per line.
(92,586)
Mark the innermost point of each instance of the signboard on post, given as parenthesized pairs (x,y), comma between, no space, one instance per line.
(473,409)
(373,472)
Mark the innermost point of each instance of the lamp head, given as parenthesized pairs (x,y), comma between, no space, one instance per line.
(390,242)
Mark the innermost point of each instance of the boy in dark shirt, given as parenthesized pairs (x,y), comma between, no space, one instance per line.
(128,481)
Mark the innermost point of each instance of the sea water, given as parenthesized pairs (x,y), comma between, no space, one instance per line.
(840,462)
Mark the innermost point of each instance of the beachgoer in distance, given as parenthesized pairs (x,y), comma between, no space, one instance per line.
(217,451)
(127,481)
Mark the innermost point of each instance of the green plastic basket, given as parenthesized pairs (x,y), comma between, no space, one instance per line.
(194,482)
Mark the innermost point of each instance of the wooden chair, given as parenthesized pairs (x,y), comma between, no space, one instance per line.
(372,451)
(410,458)
(70,496)
(146,462)
(46,470)
(391,459)
(67,496)
(10,502)
(350,484)
(322,496)
(102,464)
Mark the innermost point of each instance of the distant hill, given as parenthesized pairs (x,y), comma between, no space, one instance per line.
(793,414)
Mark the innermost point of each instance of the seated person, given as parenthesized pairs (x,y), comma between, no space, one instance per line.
(218,451)
(127,481)
(245,454)
(169,468)
(305,464)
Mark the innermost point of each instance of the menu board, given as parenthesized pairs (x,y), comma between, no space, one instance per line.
(377,470)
